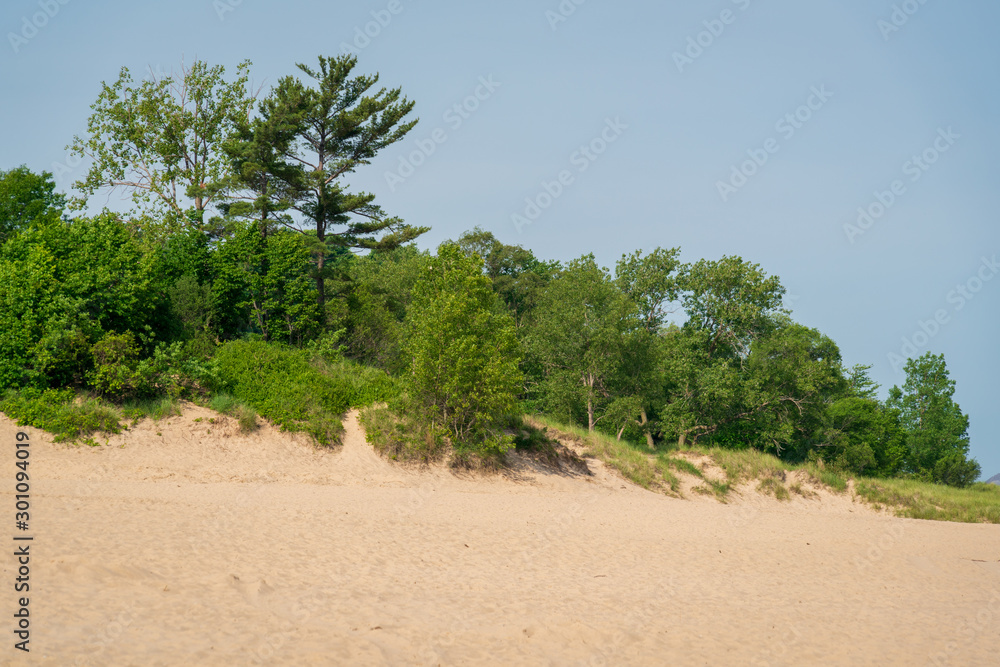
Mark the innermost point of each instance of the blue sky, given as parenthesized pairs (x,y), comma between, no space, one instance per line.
(820,107)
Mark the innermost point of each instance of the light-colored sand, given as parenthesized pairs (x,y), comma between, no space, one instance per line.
(203,547)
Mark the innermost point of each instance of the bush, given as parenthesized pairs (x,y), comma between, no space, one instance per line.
(64,285)
(60,412)
(464,373)
(117,374)
(291,389)
(154,408)
(400,438)
(954,469)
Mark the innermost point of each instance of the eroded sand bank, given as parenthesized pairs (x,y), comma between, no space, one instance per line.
(184,543)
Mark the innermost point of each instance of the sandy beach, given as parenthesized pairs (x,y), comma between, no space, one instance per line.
(185,543)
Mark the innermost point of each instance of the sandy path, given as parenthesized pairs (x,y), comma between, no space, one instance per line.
(202,547)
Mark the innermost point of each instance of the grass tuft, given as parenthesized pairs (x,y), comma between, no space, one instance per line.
(683,465)
(398,438)
(826,477)
(773,486)
(153,408)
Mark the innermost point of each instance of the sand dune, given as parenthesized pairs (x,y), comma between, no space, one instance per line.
(184,543)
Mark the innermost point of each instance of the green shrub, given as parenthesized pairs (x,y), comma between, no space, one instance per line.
(60,412)
(399,438)
(117,374)
(464,358)
(295,390)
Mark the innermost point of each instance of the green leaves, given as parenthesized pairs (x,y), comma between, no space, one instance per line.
(936,428)
(62,285)
(733,300)
(464,373)
(27,198)
(651,282)
(576,336)
(162,139)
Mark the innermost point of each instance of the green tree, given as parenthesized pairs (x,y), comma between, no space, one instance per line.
(264,280)
(773,400)
(790,378)
(936,428)
(518,276)
(26,198)
(378,298)
(464,373)
(651,283)
(63,286)
(708,390)
(576,338)
(162,139)
(732,300)
(330,130)
(864,437)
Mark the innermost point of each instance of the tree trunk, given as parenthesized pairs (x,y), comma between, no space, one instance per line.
(590,403)
(680,441)
(320,281)
(649,436)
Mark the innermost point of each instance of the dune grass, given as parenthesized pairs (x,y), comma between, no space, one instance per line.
(656,470)
(153,408)
(245,415)
(635,463)
(980,503)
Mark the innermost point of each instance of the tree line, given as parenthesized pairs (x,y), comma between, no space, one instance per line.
(242,227)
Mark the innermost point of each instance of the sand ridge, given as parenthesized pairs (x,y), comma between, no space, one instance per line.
(184,542)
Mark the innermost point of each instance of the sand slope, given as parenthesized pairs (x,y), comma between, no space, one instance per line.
(184,543)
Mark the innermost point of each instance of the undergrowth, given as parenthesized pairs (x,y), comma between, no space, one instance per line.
(61,412)
(298,390)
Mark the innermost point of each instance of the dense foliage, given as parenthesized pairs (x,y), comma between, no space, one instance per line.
(249,272)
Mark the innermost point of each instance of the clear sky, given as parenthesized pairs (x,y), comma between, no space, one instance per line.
(804,112)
